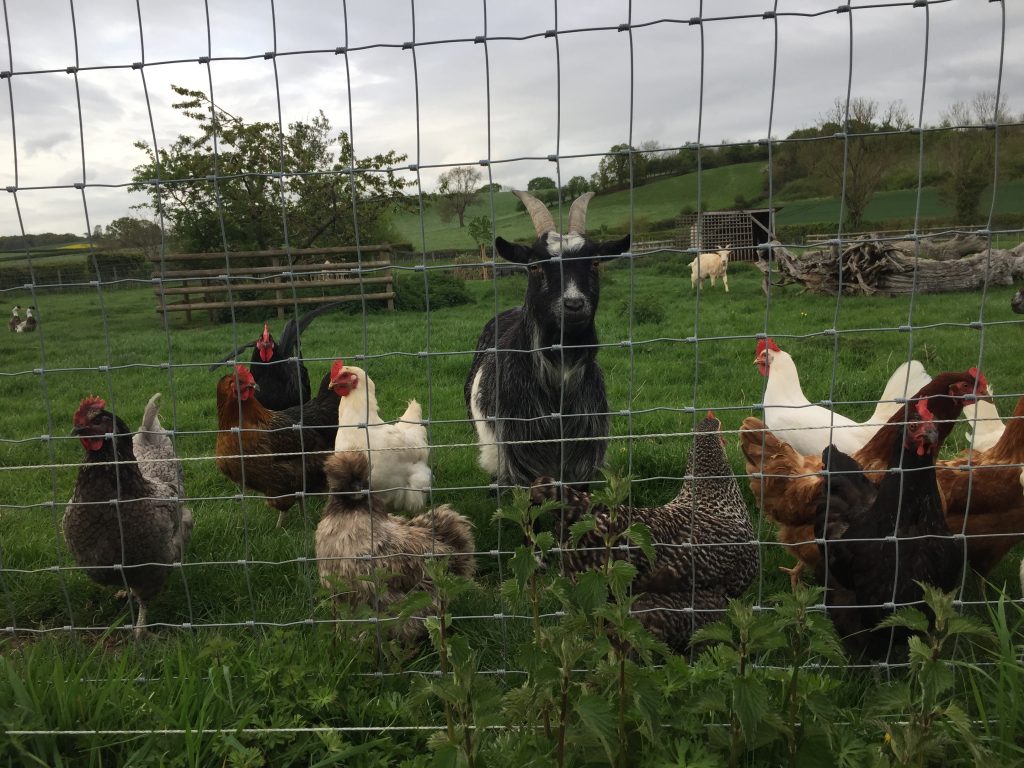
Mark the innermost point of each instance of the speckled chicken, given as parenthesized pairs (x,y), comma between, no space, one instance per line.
(355,539)
(706,552)
(145,528)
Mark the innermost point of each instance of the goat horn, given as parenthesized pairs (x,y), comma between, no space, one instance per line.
(539,214)
(578,213)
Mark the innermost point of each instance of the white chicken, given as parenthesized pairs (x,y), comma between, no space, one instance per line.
(987,426)
(400,476)
(811,428)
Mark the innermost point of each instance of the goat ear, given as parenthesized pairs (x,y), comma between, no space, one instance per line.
(613,247)
(520,254)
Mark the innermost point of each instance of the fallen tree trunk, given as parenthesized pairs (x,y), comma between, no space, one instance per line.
(867,267)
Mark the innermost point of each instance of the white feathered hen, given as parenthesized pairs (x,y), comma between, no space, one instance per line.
(400,476)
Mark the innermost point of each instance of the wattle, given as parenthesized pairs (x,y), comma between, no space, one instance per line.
(91,443)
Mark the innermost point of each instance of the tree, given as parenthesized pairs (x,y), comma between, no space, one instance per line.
(540,183)
(457,190)
(480,231)
(620,167)
(262,178)
(856,164)
(575,187)
(967,153)
(134,233)
(486,189)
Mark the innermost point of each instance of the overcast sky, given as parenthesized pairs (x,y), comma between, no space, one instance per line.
(607,87)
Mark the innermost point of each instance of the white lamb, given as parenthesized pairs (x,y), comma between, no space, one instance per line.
(713,265)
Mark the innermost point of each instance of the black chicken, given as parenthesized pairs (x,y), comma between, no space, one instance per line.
(880,540)
(277,365)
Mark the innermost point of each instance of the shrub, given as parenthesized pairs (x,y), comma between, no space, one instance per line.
(646,309)
(445,290)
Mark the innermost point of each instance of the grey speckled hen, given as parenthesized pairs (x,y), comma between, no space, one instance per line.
(125,508)
(706,553)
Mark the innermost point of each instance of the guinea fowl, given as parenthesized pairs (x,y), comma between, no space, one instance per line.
(125,523)
(357,540)
(277,366)
(785,483)
(265,450)
(880,540)
(706,552)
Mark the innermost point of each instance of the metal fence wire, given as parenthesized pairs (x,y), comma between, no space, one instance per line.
(241,573)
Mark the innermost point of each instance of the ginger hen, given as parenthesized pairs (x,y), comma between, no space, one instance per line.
(785,483)
(125,523)
(278,453)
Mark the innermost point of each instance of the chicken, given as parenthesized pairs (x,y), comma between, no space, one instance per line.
(125,523)
(28,325)
(880,540)
(810,428)
(263,450)
(15,321)
(986,425)
(706,551)
(277,366)
(982,495)
(400,476)
(785,482)
(357,540)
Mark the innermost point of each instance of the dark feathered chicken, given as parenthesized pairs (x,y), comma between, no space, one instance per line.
(703,539)
(146,528)
(277,453)
(277,366)
(881,539)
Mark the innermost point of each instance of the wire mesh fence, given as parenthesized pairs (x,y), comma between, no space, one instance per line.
(524,96)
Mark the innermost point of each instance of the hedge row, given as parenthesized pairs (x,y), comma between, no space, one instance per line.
(75,271)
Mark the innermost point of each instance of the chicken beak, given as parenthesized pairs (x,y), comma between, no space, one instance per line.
(76,431)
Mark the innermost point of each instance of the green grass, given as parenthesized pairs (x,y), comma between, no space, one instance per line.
(113,345)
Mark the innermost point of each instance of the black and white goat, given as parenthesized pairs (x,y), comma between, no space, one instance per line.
(535,392)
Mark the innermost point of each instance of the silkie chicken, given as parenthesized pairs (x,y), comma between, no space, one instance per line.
(400,476)
(881,539)
(277,366)
(377,558)
(125,523)
(28,325)
(268,451)
(810,428)
(785,483)
(982,496)
(706,551)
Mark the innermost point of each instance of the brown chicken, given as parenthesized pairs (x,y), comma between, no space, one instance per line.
(267,451)
(993,520)
(786,484)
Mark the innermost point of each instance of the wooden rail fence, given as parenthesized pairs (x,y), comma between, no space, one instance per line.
(214,281)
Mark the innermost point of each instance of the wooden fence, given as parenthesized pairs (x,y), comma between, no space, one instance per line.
(214,281)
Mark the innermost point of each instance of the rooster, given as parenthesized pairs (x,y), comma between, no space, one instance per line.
(125,523)
(785,482)
(706,551)
(400,476)
(357,539)
(277,365)
(277,453)
(810,428)
(880,539)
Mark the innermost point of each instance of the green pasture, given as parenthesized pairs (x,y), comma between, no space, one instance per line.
(690,353)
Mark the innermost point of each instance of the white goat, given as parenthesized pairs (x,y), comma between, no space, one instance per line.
(714,265)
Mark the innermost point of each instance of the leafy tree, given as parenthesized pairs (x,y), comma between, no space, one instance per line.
(540,183)
(856,165)
(486,189)
(575,187)
(967,153)
(480,231)
(457,190)
(261,178)
(621,166)
(132,232)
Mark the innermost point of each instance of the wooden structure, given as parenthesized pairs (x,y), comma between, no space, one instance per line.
(742,230)
(184,282)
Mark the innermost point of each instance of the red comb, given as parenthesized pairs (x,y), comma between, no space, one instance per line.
(711,414)
(243,373)
(87,404)
(266,331)
(922,410)
(980,378)
(336,367)
(763,344)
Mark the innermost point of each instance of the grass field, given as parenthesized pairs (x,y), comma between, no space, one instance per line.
(660,376)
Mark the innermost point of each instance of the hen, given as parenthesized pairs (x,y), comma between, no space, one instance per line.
(277,453)
(277,365)
(785,483)
(810,428)
(706,551)
(400,476)
(125,523)
(982,495)
(880,540)
(356,540)
(15,321)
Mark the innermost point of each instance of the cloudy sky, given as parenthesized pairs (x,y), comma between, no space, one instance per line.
(451,101)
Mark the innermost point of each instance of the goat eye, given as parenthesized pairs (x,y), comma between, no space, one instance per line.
(535,269)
